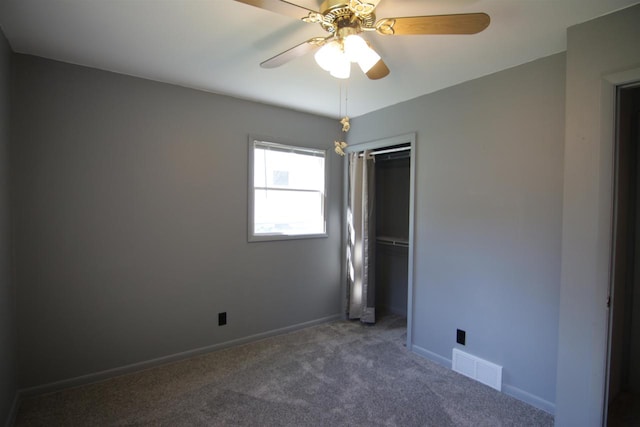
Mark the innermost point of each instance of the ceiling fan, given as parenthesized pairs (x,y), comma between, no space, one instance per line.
(344,20)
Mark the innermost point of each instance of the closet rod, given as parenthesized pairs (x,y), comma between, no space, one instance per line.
(386,151)
(392,242)
(390,150)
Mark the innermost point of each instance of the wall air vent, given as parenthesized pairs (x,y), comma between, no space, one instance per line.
(478,369)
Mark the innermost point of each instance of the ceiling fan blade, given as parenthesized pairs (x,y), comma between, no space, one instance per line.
(295,52)
(378,71)
(280,6)
(464,23)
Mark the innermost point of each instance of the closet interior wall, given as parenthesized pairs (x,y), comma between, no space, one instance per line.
(392,173)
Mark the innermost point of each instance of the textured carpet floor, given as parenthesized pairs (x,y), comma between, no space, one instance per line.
(336,374)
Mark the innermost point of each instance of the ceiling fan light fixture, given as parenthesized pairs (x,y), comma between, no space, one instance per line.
(368,58)
(328,55)
(337,56)
(355,47)
(346,19)
(331,57)
(341,68)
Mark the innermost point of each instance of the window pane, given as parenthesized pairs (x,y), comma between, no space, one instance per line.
(288,191)
(288,212)
(259,165)
(302,171)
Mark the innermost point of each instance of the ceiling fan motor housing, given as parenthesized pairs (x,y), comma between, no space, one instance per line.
(339,14)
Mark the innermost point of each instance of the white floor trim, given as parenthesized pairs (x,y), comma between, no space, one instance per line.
(529,398)
(135,367)
(431,356)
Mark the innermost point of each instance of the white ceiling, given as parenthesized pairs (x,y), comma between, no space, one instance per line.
(216,45)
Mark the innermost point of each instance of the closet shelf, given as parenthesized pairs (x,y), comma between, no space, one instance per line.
(393,241)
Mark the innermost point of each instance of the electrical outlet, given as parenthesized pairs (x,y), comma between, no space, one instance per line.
(461,336)
(222,318)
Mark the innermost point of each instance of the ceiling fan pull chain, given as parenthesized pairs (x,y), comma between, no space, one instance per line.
(340,99)
(346,98)
(345,120)
(344,84)
(339,146)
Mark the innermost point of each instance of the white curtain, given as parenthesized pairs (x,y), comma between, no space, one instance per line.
(361,232)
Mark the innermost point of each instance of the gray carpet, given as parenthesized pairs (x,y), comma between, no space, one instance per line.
(336,374)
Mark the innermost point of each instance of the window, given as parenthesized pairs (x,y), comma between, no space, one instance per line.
(287,191)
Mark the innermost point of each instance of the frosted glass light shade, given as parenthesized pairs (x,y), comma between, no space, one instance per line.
(337,55)
(354,47)
(328,55)
(368,58)
(341,68)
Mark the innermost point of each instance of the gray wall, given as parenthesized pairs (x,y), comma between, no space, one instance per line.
(488,213)
(597,52)
(7,289)
(131,211)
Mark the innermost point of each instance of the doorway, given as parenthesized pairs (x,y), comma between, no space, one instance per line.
(623,385)
(379,230)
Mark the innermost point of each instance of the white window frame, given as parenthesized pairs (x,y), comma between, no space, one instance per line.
(277,144)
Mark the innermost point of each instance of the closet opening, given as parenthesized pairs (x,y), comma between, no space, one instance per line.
(622,403)
(392,230)
(379,231)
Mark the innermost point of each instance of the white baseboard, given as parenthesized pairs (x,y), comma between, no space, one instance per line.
(510,390)
(529,398)
(140,366)
(431,356)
